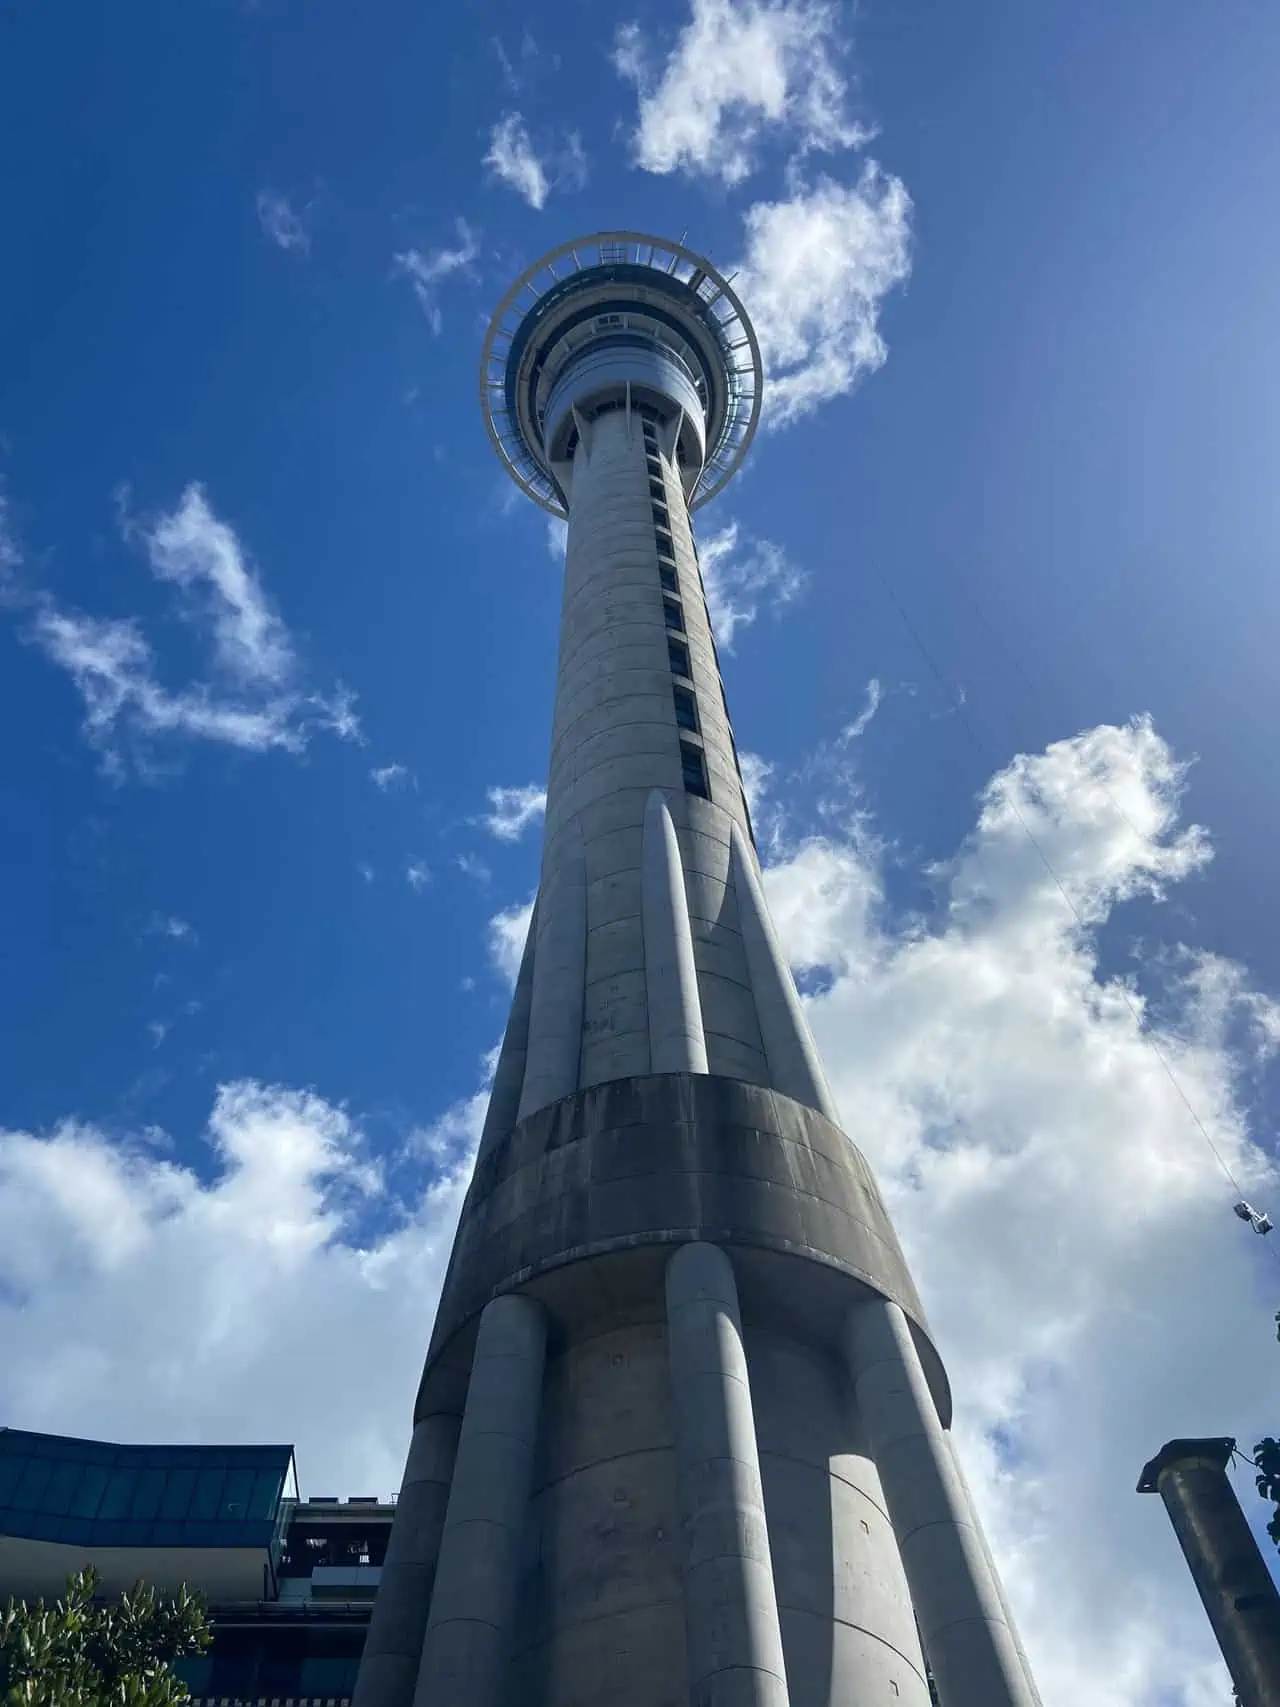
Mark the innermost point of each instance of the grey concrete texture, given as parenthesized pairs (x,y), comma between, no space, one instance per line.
(996,1578)
(968,1642)
(794,1066)
(848,1630)
(601,1598)
(508,1078)
(664,1159)
(731,1614)
(672,1005)
(473,1604)
(615,741)
(393,1647)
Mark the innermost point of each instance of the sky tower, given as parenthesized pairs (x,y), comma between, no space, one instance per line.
(682,1436)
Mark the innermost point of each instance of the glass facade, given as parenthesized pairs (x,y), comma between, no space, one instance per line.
(91,1494)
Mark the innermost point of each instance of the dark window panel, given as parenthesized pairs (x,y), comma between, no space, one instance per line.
(29,1493)
(10,1475)
(686,709)
(673,614)
(177,1494)
(236,1495)
(678,656)
(118,1493)
(694,768)
(88,1495)
(148,1494)
(208,1494)
(266,1491)
(668,577)
(62,1487)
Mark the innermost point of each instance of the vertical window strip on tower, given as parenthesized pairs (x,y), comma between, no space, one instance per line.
(693,765)
(686,709)
(678,657)
(673,615)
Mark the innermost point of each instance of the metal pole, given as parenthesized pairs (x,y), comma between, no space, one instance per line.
(1229,1571)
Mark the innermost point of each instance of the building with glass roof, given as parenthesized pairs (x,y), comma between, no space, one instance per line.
(289,1582)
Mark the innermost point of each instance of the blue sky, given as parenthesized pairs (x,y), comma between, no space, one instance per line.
(273,628)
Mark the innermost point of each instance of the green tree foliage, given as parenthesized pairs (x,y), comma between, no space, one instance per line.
(78,1653)
(1266,1457)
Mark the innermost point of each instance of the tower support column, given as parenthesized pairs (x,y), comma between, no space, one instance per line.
(464,1655)
(731,1609)
(968,1641)
(393,1647)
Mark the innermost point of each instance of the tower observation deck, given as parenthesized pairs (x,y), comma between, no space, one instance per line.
(682,1436)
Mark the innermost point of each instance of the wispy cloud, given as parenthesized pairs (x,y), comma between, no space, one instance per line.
(513,810)
(874,696)
(253,699)
(816,270)
(557,537)
(427,270)
(417,875)
(392,776)
(739,68)
(472,866)
(171,926)
(192,549)
(514,161)
(508,932)
(10,551)
(1040,1165)
(744,576)
(520,68)
(281,222)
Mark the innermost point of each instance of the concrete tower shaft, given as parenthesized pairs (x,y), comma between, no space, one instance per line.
(681,1436)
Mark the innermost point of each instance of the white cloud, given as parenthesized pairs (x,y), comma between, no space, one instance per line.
(253,701)
(855,730)
(192,549)
(1069,1229)
(472,866)
(281,222)
(513,810)
(10,551)
(744,576)
(427,271)
(1088,1286)
(204,1284)
(508,932)
(557,537)
(171,926)
(417,875)
(816,269)
(512,160)
(738,69)
(387,777)
(757,778)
